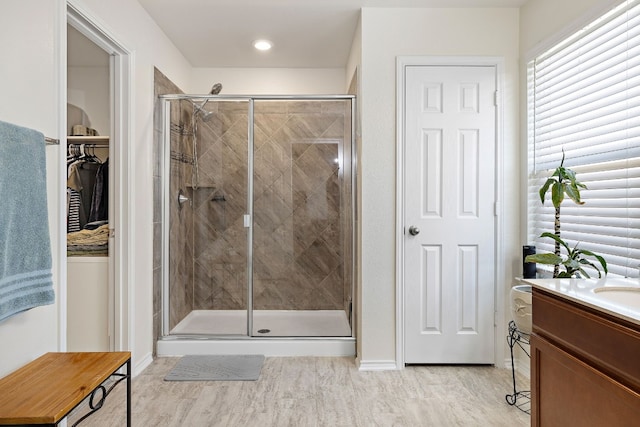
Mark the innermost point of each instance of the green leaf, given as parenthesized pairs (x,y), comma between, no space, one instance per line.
(571,175)
(557,194)
(543,190)
(545,258)
(574,194)
(600,259)
(571,264)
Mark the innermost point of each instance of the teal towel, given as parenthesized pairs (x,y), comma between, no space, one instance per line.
(25,249)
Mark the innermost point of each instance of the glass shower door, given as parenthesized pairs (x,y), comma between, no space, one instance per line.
(260,217)
(302,217)
(208,193)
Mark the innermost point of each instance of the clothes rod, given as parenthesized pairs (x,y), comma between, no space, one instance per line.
(51,141)
(74,145)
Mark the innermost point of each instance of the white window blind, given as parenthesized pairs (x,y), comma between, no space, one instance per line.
(584,98)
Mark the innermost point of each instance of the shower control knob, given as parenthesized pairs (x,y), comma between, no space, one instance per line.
(414,231)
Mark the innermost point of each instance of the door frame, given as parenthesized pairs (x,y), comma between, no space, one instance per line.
(120,290)
(401,63)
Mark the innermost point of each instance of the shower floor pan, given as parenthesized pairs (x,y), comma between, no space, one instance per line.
(291,333)
(266,323)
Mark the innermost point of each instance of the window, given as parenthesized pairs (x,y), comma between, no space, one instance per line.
(584,98)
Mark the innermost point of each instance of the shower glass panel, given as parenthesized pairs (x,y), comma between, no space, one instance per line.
(258,216)
(207,283)
(302,217)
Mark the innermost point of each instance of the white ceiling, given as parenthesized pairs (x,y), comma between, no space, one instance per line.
(305,33)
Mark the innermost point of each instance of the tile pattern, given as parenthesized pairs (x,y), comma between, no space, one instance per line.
(181,230)
(220,201)
(301,207)
(315,392)
(181,253)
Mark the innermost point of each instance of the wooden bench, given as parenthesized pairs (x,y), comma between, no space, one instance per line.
(46,390)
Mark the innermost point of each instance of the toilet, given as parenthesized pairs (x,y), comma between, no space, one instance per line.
(521,307)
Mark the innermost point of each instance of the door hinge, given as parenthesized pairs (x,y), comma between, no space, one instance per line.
(495,98)
(112,232)
(496,208)
(495,318)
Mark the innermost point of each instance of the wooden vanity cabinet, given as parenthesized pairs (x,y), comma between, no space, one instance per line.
(585,365)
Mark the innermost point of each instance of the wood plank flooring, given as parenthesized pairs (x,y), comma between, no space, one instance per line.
(311,391)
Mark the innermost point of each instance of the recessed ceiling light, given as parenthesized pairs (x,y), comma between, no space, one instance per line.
(262,44)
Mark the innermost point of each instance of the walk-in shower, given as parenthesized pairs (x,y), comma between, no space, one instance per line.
(257,223)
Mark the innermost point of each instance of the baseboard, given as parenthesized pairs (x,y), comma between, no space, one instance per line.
(142,364)
(376,365)
(327,347)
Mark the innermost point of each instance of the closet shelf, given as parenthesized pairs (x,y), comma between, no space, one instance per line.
(88,139)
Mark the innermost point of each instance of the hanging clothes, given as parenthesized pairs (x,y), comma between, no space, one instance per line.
(82,172)
(100,197)
(73,210)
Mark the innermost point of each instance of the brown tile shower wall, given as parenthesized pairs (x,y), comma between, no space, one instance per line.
(302,230)
(181,227)
(220,201)
(181,214)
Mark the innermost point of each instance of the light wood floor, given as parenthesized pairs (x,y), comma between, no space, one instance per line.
(306,391)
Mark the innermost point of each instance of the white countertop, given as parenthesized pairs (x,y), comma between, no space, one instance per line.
(582,292)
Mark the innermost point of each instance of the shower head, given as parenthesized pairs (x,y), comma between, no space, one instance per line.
(204,114)
(199,109)
(215,89)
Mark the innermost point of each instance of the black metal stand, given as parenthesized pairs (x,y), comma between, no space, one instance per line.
(103,392)
(517,337)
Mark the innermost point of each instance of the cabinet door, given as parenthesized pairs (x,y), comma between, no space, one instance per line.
(567,392)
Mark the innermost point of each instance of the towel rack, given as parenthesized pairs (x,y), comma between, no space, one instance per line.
(51,141)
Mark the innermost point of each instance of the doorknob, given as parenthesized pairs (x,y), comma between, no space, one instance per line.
(413,230)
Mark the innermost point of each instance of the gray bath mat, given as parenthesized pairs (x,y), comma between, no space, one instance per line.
(217,368)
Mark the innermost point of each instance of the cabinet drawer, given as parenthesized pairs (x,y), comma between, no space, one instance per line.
(605,342)
(568,392)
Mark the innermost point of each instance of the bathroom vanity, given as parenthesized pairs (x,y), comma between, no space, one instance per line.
(585,352)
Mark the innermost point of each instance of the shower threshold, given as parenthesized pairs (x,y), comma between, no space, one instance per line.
(266,323)
(292,333)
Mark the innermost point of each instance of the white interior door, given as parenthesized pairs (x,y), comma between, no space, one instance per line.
(449,194)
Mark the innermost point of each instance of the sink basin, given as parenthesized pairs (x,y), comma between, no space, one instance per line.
(623,295)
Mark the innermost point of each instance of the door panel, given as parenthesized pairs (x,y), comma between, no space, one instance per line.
(449,196)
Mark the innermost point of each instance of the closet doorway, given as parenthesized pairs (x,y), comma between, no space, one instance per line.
(98,100)
(89,278)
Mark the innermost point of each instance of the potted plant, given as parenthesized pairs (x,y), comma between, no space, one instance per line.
(563,183)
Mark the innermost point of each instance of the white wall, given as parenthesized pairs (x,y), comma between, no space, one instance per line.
(30,97)
(353,68)
(88,88)
(268,81)
(387,33)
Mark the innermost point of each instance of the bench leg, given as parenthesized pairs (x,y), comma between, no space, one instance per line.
(129,393)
